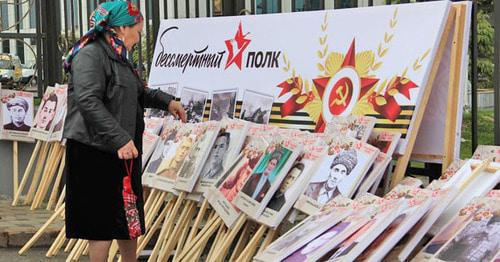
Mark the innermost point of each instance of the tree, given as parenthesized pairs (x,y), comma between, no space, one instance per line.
(485,46)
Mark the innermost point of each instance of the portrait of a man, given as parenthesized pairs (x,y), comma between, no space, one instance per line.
(17,108)
(47,112)
(279,197)
(214,165)
(259,183)
(170,167)
(341,166)
(223,105)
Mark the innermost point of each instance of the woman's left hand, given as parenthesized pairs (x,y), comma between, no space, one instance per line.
(175,108)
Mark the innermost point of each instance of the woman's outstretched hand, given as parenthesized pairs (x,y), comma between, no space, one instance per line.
(175,108)
(128,151)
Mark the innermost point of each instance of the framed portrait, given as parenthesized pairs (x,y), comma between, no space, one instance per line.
(16,114)
(194,101)
(256,107)
(223,104)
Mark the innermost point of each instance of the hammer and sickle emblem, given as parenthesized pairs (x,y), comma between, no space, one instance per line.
(343,94)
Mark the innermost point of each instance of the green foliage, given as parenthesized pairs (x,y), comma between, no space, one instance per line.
(485,46)
(486,133)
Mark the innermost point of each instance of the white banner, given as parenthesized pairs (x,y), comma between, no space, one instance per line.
(299,69)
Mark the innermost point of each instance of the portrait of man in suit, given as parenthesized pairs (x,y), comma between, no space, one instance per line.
(214,164)
(341,166)
(279,197)
(258,184)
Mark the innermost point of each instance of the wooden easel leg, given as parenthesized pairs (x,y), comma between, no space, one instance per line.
(197,221)
(167,227)
(39,233)
(242,241)
(57,182)
(403,160)
(27,172)
(248,252)
(174,236)
(15,167)
(36,175)
(226,243)
(143,241)
(55,244)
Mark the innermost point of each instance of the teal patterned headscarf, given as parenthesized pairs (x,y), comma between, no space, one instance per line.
(106,16)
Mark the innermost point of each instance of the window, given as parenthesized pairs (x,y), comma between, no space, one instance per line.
(32,16)
(5,15)
(346,4)
(307,5)
(6,46)
(267,6)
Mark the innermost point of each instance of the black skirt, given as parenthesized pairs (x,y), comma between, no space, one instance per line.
(94,201)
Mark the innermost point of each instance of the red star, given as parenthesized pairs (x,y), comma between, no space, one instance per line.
(349,61)
(241,44)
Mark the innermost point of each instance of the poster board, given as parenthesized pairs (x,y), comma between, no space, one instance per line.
(16,115)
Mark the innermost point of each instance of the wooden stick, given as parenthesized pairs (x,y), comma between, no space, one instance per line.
(60,236)
(402,163)
(80,250)
(167,227)
(15,167)
(201,234)
(197,221)
(75,249)
(153,194)
(61,197)
(249,250)
(43,175)
(27,172)
(226,243)
(271,235)
(113,249)
(36,174)
(86,250)
(174,236)
(217,241)
(149,205)
(187,253)
(144,240)
(183,237)
(44,186)
(70,245)
(57,182)
(39,233)
(240,245)
(155,207)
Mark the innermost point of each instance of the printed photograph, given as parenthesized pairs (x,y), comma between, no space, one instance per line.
(446,234)
(162,152)
(339,167)
(193,101)
(265,173)
(195,156)
(346,246)
(280,197)
(170,167)
(171,89)
(213,167)
(47,111)
(478,241)
(223,104)
(301,254)
(17,113)
(256,107)
(60,117)
(234,182)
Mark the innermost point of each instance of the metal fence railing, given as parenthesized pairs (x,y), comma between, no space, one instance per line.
(48,28)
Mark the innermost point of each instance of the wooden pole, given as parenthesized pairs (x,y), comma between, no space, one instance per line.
(197,221)
(188,253)
(208,226)
(80,250)
(70,245)
(60,238)
(55,188)
(113,249)
(39,233)
(48,175)
(249,250)
(75,249)
(15,167)
(61,197)
(271,235)
(226,243)
(143,241)
(167,227)
(240,245)
(153,194)
(403,160)
(27,172)
(36,175)
(154,208)
(216,243)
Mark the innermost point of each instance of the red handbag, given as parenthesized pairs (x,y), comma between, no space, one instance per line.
(130,203)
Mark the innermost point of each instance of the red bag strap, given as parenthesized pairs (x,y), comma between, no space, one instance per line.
(129,168)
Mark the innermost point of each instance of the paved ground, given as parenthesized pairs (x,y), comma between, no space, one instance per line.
(33,255)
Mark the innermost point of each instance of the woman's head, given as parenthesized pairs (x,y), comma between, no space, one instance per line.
(130,34)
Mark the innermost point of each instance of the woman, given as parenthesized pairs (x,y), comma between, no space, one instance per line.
(104,127)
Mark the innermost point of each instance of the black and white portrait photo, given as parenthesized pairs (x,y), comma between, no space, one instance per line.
(256,107)
(16,116)
(339,169)
(193,101)
(223,104)
(214,165)
(171,89)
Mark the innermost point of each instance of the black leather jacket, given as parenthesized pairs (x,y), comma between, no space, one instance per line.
(104,98)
